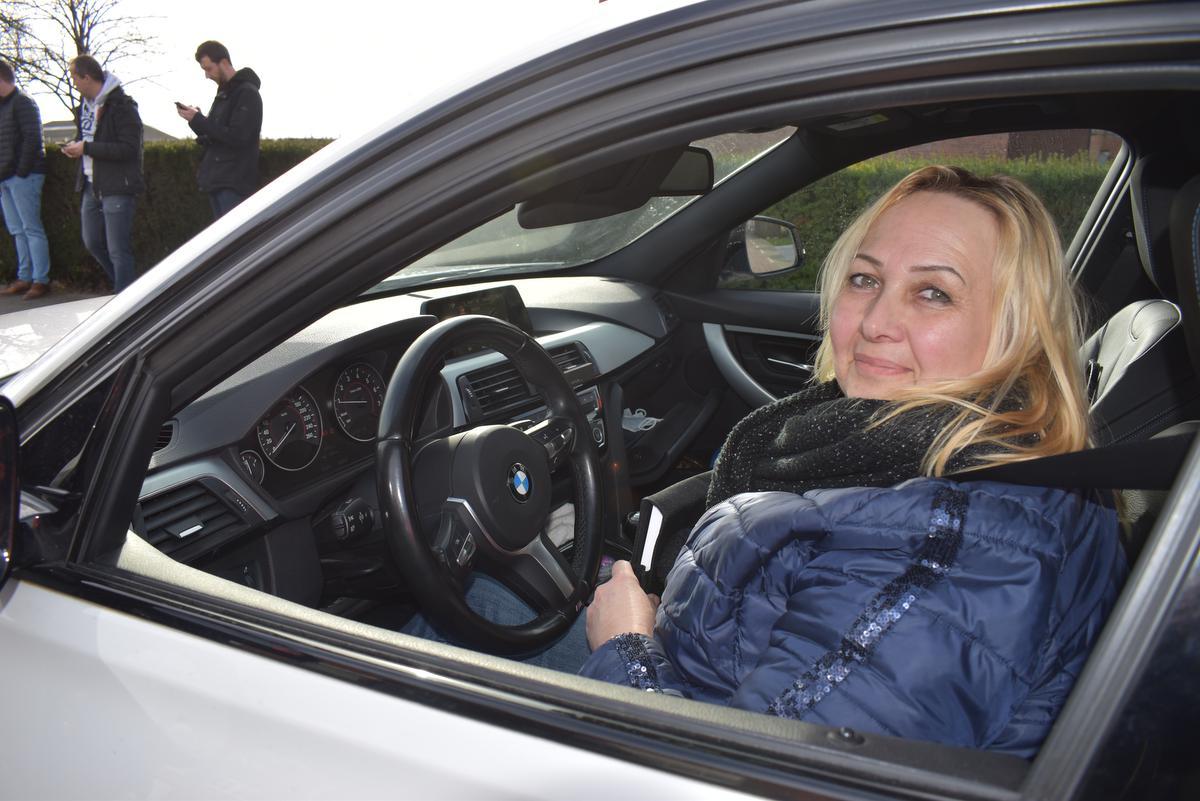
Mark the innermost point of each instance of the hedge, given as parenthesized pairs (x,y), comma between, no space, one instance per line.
(170,212)
(823,209)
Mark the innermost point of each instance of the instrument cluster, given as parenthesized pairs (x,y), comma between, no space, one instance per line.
(325,422)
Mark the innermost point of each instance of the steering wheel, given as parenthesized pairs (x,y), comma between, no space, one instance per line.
(487,490)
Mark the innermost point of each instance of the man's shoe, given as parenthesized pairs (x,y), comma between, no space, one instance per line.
(16,288)
(36,291)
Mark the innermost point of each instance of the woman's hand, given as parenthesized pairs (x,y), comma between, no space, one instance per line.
(620,607)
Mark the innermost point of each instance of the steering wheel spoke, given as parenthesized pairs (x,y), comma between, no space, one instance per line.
(456,543)
(541,575)
(555,434)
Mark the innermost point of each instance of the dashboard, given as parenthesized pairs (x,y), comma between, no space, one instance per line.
(288,440)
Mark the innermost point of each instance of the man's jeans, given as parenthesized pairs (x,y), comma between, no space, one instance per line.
(222,200)
(22,202)
(107,225)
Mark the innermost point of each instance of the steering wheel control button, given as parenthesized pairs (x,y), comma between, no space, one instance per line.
(519,482)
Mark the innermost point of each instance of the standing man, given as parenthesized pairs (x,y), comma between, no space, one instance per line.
(229,134)
(109,149)
(22,174)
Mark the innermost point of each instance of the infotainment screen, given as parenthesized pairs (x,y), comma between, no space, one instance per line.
(503,302)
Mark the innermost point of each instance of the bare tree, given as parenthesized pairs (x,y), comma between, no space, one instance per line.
(15,37)
(49,33)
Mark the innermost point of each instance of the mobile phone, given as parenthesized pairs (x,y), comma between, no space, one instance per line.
(179,105)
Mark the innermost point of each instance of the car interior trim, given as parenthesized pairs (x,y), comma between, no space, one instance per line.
(213,467)
(731,369)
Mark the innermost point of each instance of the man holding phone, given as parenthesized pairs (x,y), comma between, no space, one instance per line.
(109,150)
(229,133)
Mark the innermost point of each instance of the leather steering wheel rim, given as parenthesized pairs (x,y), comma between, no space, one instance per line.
(434,575)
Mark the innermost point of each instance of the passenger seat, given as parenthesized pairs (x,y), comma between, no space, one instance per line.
(1140,380)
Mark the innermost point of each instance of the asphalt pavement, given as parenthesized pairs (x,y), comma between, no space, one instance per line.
(12,303)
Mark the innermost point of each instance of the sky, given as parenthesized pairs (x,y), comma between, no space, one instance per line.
(326,74)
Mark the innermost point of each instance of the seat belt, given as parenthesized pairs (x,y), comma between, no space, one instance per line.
(1148,464)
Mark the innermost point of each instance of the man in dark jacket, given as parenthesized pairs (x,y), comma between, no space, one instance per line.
(22,174)
(109,149)
(229,134)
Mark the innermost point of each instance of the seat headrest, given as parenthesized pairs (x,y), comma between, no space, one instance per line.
(1153,186)
(1185,252)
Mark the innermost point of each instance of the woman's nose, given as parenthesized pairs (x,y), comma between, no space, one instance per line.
(883,318)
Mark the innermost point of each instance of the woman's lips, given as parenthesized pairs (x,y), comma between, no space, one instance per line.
(880,367)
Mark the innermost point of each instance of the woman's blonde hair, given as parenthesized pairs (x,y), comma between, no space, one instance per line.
(1028,400)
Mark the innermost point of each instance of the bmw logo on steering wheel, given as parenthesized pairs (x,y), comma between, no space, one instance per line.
(519,483)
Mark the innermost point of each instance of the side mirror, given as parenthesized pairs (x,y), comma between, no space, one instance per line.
(10,494)
(763,247)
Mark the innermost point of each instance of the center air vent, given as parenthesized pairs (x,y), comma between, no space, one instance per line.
(188,513)
(498,388)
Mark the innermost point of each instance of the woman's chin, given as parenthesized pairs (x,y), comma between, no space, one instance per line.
(876,387)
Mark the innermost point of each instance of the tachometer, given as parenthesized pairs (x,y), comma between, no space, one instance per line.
(357,400)
(290,434)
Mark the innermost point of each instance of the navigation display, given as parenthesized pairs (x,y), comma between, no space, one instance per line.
(502,302)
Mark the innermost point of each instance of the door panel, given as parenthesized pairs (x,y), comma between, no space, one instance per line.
(763,343)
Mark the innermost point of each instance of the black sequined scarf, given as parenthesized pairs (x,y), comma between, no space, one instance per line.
(818,438)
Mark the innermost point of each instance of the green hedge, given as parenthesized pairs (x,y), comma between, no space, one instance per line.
(822,210)
(170,212)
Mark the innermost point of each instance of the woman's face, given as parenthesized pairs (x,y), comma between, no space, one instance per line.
(917,303)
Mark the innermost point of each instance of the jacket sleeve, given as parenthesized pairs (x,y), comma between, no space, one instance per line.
(127,126)
(29,121)
(637,661)
(245,121)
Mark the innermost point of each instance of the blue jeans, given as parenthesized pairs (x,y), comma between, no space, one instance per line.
(494,601)
(21,199)
(222,200)
(107,225)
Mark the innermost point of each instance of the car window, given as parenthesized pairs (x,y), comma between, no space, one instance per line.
(501,245)
(1064,167)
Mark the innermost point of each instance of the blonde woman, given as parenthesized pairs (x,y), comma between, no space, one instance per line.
(836,578)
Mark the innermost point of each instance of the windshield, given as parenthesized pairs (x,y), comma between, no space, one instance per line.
(503,246)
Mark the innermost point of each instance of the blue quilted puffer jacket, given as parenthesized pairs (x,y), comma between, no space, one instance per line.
(958,613)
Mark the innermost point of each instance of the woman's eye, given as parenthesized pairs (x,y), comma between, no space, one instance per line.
(932,293)
(863,281)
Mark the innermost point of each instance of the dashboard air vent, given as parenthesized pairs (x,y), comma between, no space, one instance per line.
(165,434)
(575,362)
(498,388)
(493,389)
(187,512)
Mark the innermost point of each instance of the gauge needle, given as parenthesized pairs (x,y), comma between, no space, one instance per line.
(281,439)
(348,402)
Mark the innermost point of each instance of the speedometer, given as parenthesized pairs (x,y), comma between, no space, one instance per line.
(290,434)
(357,401)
